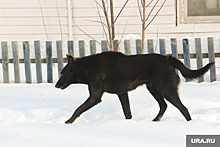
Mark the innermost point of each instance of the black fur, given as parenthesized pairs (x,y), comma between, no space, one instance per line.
(116,73)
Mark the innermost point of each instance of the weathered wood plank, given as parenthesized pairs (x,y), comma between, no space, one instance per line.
(162,43)
(38,61)
(116,45)
(104,45)
(174,50)
(150,44)
(180,56)
(211,58)
(92,47)
(26,50)
(81,48)
(186,54)
(5,61)
(138,46)
(127,47)
(16,61)
(199,56)
(49,62)
(59,56)
(70,48)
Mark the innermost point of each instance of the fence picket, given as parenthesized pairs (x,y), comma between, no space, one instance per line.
(81,48)
(127,47)
(116,45)
(26,50)
(5,61)
(104,46)
(92,47)
(16,61)
(138,46)
(211,58)
(150,44)
(162,46)
(38,61)
(70,48)
(59,57)
(186,54)
(199,57)
(49,62)
(174,50)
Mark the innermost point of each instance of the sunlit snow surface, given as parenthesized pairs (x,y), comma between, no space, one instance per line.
(34,115)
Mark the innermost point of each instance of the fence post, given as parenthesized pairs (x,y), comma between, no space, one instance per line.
(104,45)
(127,47)
(70,48)
(38,61)
(59,57)
(81,48)
(49,62)
(92,47)
(138,46)
(150,44)
(211,58)
(26,49)
(199,56)
(16,61)
(162,46)
(174,50)
(186,54)
(5,61)
(116,45)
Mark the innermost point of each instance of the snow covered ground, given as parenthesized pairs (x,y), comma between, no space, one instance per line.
(34,115)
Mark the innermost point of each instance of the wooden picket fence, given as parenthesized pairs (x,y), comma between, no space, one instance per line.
(60,60)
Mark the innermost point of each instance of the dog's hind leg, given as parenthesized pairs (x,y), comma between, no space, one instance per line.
(160,100)
(125,105)
(175,100)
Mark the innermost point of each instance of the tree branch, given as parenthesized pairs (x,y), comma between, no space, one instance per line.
(121,11)
(98,22)
(139,8)
(155,14)
(152,10)
(97,4)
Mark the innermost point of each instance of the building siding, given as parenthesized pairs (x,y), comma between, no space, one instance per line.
(22,20)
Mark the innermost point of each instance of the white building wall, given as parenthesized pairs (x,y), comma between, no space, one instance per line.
(22,20)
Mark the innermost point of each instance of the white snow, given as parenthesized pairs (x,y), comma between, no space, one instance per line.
(34,115)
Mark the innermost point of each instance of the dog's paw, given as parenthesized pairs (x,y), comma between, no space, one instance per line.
(156,119)
(68,122)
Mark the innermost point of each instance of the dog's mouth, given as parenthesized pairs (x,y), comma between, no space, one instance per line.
(62,87)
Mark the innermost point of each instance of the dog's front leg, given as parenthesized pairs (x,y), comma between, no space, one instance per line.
(125,105)
(89,103)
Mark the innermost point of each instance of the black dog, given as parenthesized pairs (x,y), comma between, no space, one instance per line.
(116,73)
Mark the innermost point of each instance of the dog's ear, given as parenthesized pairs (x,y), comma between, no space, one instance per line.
(70,59)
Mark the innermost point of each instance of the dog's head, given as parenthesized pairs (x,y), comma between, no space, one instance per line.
(69,74)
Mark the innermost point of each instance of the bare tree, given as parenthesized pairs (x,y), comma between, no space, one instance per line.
(108,25)
(144,18)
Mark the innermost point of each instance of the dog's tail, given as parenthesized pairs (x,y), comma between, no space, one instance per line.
(187,73)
